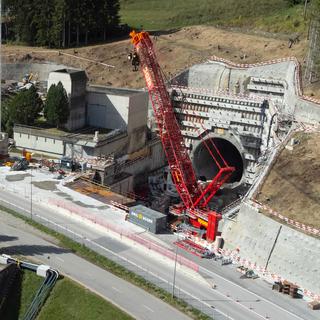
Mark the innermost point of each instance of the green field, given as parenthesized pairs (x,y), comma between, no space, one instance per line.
(25,287)
(70,301)
(67,300)
(265,15)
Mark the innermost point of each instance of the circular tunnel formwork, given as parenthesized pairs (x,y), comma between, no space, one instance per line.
(205,166)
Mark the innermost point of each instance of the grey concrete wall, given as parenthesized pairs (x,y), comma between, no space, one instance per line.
(3,144)
(155,160)
(217,76)
(47,146)
(123,186)
(138,111)
(306,111)
(107,110)
(75,87)
(296,256)
(137,139)
(16,71)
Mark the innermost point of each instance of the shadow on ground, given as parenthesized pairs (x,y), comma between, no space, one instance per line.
(32,250)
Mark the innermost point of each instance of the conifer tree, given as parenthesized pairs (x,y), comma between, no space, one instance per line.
(23,108)
(56,109)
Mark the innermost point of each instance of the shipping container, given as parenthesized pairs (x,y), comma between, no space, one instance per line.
(147,218)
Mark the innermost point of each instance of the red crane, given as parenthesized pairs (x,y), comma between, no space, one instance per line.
(195,199)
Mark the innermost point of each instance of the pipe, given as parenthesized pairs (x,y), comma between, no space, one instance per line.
(270,125)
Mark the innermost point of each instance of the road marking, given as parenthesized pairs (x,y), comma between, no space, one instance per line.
(121,257)
(243,306)
(242,288)
(116,289)
(60,259)
(148,308)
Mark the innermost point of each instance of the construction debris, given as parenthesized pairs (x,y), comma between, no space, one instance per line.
(20,165)
(314,305)
(286,287)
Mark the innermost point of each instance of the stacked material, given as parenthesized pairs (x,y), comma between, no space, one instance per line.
(286,287)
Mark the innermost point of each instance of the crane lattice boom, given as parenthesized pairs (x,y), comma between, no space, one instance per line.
(183,175)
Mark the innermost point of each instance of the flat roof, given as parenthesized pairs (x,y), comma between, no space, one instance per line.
(115,91)
(85,134)
(74,73)
(147,211)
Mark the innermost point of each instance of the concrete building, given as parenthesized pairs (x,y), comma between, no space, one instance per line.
(75,83)
(119,109)
(3,144)
(102,121)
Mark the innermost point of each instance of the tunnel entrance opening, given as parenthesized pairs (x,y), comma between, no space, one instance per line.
(205,166)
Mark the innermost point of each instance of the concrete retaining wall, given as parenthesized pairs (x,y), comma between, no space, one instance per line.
(295,256)
(16,71)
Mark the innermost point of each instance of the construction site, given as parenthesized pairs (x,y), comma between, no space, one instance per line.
(219,159)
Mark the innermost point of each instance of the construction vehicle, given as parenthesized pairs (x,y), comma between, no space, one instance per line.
(20,165)
(195,198)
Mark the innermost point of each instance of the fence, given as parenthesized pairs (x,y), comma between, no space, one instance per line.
(148,275)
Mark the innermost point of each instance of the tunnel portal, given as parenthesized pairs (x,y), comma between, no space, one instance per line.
(206,168)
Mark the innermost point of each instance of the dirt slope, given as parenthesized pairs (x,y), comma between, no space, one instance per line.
(293,185)
(176,51)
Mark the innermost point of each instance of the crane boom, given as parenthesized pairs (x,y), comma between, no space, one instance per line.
(182,172)
(177,155)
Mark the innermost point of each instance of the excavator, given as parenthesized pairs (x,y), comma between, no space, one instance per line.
(194,196)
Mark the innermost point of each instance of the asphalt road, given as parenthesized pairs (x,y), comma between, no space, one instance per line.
(16,237)
(232,299)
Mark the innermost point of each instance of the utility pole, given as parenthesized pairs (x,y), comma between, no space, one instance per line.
(0,66)
(31,194)
(305,9)
(174,272)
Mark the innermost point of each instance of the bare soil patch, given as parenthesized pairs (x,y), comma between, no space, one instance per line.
(293,185)
(176,51)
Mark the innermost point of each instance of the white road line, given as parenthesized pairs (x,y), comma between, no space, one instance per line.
(60,259)
(148,308)
(116,289)
(261,298)
(243,306)
(125,259)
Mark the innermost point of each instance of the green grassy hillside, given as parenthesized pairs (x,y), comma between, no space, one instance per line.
(266,15)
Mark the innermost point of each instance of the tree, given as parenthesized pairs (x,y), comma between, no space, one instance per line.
(42,20)
(56,109)
(22,13)
(23,108)
(57,22)
(58,29)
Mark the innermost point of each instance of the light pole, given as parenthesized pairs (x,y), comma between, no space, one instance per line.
(174,272)
(31,194)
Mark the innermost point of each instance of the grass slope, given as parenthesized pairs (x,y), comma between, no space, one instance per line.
(25,287)
(266,15)
(29,287)
(69,301)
